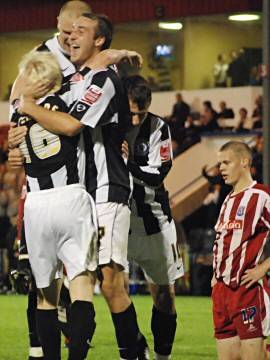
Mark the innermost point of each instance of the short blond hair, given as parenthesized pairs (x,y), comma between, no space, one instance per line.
(42,66)
(239,148)
(77,6)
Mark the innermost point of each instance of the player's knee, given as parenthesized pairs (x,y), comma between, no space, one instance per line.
(165,300)
(45,302)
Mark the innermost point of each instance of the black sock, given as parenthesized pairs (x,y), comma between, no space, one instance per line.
(163,328)
(82,327)
(31,319)
(142,346)
(141,340)
(49,333)
(64,312)
(127,331)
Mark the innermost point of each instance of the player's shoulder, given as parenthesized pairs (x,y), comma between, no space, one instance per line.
(46,45)
(54,102)
(102,78)
(42,47)
(264,189)
(157,121)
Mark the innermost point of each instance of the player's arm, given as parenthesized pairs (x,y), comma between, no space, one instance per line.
(160,160)
(92,109)
(57,122)
(112,56)
(252,276)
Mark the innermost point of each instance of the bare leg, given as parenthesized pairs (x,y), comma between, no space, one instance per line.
(229,349)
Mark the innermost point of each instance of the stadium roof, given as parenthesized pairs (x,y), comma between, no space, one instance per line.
(23,15)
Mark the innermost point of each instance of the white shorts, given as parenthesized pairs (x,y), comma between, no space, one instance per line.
(157,254)
(113,223)
(60,228)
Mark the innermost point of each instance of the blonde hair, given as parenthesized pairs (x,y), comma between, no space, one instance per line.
(42,66)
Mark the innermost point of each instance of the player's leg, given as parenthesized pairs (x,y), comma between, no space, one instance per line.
(77,250)
(41,244)
(229,349)
(122,310)
(64,311)
(161,262)
(35,349)
(163,322)
(114,221)
(47,320)
(143,347)
(253,349)
(82,315)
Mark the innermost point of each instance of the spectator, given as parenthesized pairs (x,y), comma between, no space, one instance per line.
(257,160)
(215,178)
(209,117)
(238,70)
(220,71)
(243,123)
(180,111)
(225,113)
(191,133)
(257,113)
(255,78)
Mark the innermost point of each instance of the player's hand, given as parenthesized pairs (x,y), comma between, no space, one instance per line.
(15,159)
(213,281)
(16,135)
(35,90)
(252,276)
(134,58)
(125,149)
(18,86)
(21,280)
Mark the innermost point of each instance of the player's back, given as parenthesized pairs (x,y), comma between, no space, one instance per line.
(50,160)
(152,162)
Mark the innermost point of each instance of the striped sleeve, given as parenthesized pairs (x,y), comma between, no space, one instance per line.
(159,159)
(266,212)
(97,106)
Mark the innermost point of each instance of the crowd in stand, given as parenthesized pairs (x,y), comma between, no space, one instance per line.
(187,126)
(239,71)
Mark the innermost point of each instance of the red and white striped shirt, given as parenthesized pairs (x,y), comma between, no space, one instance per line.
(241,233)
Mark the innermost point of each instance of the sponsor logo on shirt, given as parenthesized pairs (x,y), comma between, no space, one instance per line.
(92,95)
(241,211)
(231,225)
(80,107)
(165,152)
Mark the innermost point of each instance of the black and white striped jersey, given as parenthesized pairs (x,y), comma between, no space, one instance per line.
(98,100)
(50,160)
(55,48)
(150,162)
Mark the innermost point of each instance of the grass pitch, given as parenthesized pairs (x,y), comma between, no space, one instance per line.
(194,338)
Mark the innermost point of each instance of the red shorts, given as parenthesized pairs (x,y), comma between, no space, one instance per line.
(241,312)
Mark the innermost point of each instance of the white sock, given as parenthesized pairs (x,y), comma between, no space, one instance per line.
(162,357)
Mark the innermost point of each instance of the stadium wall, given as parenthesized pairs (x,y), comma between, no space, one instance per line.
(162,102)
(196,48)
